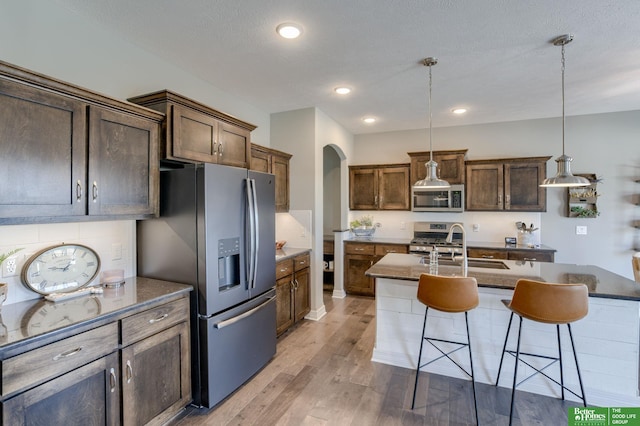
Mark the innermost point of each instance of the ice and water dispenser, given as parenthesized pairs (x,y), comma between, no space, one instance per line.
(228,263)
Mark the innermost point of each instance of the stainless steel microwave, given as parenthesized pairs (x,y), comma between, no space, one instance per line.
(438,200)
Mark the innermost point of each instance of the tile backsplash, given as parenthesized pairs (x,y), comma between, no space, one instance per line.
(114,241)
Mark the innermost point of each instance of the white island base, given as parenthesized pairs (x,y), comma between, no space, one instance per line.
(606,340)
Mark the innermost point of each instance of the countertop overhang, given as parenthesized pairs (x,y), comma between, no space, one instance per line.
(600,282)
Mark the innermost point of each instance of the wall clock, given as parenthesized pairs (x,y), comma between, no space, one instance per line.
(60,269)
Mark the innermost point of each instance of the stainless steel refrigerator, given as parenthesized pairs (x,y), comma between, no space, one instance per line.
(216,231)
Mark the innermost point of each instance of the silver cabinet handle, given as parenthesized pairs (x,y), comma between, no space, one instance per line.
(215,147)
(359,249)
(160,318)
(284,269)
(220,149)
(302,262)
(113,380)
(529,258)
(500,199)
(95,191)
(129,371)
(67,354)
(78,191)
(507,199)
(487,256)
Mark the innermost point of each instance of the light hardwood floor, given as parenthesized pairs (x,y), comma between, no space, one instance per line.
(322,374)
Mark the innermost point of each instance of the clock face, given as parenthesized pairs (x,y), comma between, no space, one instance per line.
(46,316)
(61,269)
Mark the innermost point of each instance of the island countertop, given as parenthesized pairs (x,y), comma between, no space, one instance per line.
(600,282)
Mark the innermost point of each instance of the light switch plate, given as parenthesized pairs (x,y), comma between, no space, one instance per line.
(581,230)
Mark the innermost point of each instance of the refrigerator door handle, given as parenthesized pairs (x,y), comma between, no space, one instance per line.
(251,209)
(233,320)
(256,235)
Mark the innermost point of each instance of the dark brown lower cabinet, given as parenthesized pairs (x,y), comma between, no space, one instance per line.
(89,395)
(293,302)
(134,370)
(355,281)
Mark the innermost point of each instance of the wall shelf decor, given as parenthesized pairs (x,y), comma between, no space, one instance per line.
(582,201)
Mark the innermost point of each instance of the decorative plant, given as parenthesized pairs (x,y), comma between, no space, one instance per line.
(364,221)
(582,212)
(4,256)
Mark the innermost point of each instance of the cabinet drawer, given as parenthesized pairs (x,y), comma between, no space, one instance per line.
(532,255)
(382,249)
(284,268)
(41,364)
(301,261)
(357,248)
(487,254)
(147,323)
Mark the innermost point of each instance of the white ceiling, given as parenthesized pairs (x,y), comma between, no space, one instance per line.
(495,56)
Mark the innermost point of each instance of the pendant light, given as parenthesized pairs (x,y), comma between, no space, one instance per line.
(564,178)
(431,180)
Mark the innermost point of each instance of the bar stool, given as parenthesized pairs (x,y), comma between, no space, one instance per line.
(635,263)
(546,303)
(447,294)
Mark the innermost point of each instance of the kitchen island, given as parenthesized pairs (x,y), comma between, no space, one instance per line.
(607,340)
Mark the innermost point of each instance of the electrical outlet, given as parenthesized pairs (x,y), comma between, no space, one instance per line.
(476,227)
(403,225)
(581,230)
(10,267)
(116,251)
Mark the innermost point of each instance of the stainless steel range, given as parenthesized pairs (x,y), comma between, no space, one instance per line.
(427,235)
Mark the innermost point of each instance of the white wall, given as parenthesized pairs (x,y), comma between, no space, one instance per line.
(45,37)
(604,144)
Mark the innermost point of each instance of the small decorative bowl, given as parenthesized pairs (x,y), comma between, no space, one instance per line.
(363,231)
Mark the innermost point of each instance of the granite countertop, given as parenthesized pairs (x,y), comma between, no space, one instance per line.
(377,240)
(600,282)
(289,252)
(26,322)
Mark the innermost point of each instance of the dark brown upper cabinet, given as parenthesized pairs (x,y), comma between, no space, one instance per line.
(70,154)
(450,165)
(269,160)
(379,187)
(511,184)
(194,132)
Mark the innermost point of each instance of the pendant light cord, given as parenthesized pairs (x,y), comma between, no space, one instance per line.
(430,140)
(562,68)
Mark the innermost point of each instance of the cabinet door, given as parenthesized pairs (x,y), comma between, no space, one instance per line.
(156,376)
(355,281)
(484,186)
(522,186)
(260,160)
(450,167)
(486,253)
(284,304)
(302,303)
(280,168)
(195,135)
(531,255)
(89,395)
(123,164)
(363,189)
(42,153)
(234,145)
(393,188)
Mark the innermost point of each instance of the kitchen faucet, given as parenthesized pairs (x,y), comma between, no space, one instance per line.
(449,239)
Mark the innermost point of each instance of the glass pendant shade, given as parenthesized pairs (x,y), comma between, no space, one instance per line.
(431,180)
(564,178)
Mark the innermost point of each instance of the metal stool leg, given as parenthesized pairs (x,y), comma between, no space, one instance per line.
(415,385)
(575,356)
(515,373)
(560,360)
(504,348)
(473,379)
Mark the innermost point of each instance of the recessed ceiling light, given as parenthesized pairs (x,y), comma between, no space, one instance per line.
(369,120)
(342,90)
(289,30)
(459,110)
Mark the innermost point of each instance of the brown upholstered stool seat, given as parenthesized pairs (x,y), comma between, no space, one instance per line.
(447,294)
(635,263)
(548,303)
